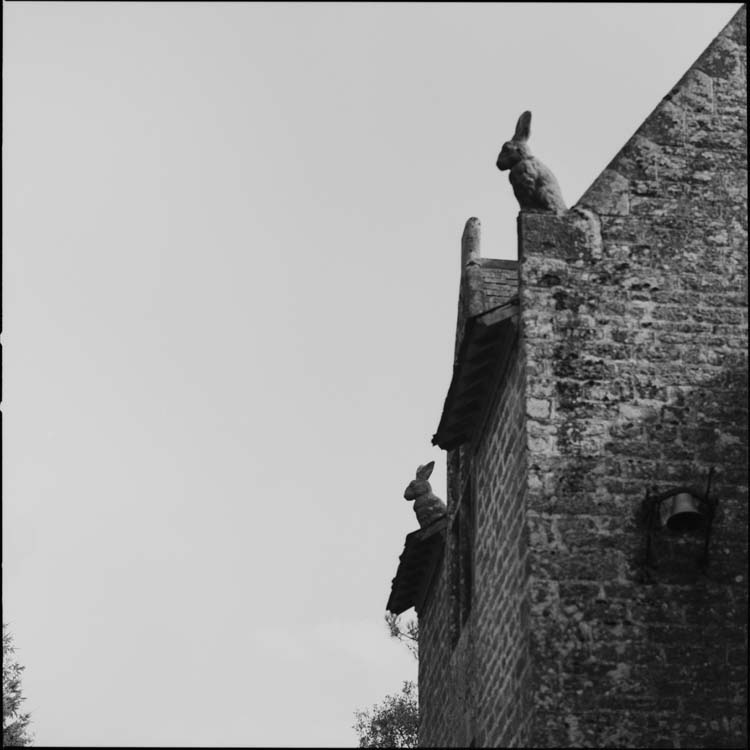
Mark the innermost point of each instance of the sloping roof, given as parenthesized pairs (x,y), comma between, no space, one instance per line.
(698,120)
(484,346)
(422,551)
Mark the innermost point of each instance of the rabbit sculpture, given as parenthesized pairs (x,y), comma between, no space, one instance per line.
(428,507)
(534,185)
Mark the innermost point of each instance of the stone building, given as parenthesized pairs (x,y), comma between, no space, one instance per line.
(601,372)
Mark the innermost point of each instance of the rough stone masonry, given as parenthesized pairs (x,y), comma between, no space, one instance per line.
(624,368)
(634,318)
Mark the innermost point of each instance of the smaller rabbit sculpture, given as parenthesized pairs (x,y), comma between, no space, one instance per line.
(428,507)
(534,185)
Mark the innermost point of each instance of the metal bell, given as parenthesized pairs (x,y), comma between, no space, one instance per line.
(681,513)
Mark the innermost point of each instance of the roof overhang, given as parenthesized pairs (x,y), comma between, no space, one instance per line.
(485,346)
(416,568)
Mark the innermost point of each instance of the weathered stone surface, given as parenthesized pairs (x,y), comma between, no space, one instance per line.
(610,193)
(471,275)
(651,393)
(534,185)
(630,371)
(427,506)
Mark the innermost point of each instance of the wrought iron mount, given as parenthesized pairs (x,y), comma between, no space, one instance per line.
(680,510)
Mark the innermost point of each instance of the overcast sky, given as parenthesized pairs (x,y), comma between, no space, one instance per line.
(231,248)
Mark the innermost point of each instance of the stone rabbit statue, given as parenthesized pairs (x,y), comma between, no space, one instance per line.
(428,507)
(534,185)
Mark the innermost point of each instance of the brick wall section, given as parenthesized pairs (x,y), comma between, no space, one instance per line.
(436,691)
(634,321)
(501,611)
(495,281)
(499,281)
(480,690)
(458,698)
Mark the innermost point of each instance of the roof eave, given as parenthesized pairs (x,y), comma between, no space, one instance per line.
(486,340)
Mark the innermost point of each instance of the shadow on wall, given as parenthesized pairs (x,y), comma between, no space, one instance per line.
(620,433)
(623,660)
(696,619)
(698,428)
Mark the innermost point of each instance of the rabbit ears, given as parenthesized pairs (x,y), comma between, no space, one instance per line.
(523,127)
(423,472)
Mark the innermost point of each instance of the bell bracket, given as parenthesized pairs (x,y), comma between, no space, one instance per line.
(689,510)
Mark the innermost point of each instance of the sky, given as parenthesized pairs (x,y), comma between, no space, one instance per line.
(231,247)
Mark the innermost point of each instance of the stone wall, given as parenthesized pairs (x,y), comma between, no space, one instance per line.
(629,372)
(634,336)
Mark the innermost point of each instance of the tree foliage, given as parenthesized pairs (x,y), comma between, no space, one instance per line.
(15,723)
(407,633)
(395,721)
(392,723)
